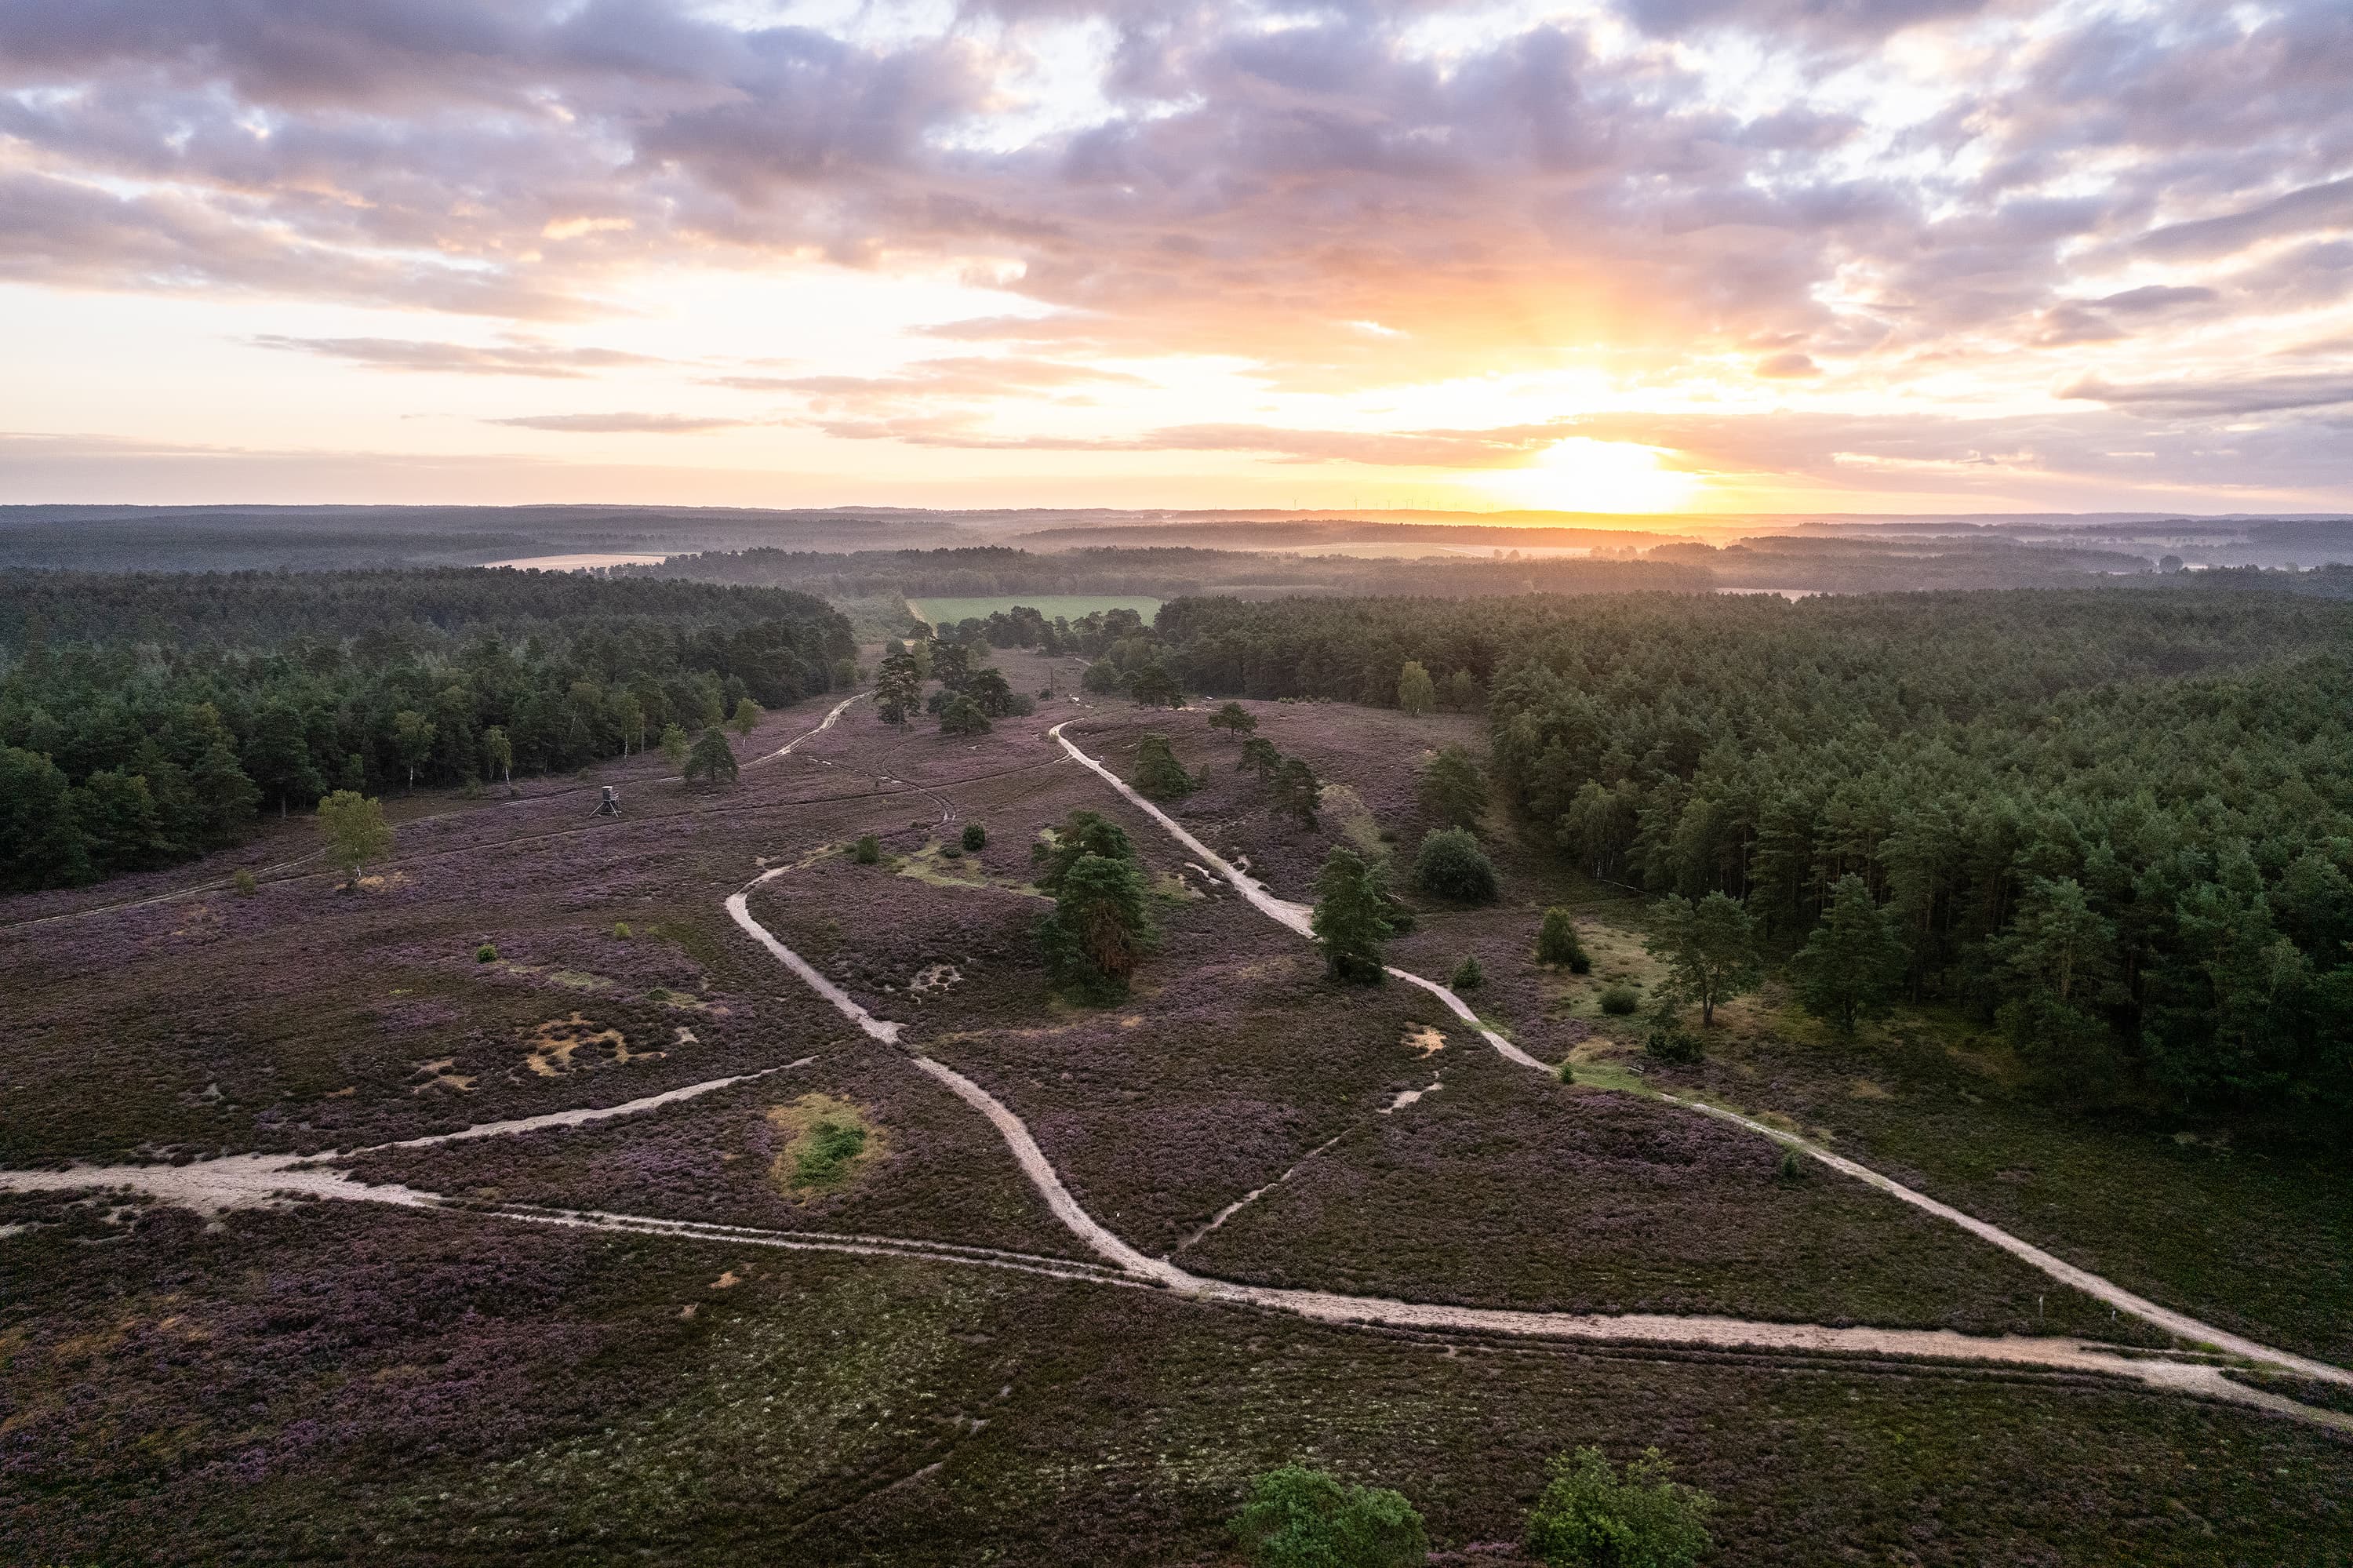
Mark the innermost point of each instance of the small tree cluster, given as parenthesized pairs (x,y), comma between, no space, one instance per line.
(1454,788)
(1101,923)
(1302,1518)
(1158,775)
(1353,916)
(1291,784)
(1589,1516)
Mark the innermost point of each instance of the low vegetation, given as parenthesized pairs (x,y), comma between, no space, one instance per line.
(1302,1518)
(1590,1516)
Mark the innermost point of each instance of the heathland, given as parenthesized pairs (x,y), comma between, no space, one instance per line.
(1890,1054)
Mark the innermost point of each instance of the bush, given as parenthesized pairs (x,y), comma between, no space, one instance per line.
(867,850)
(1619,1000)
(245,885)
(1792,1167)
(1467,975)
(1158,775)
(951,852)
(486,954)
(1587,1517)
(1558,943)
(1671,1041)
(1299,1518)
(975,837)
(961,716)
(1452,865)
(621,930)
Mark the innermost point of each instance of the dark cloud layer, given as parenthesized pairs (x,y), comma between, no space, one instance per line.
(1253,179)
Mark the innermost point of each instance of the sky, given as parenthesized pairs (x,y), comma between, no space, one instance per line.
(1616,256)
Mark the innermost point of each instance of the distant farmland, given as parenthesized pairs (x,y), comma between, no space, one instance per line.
(949,611)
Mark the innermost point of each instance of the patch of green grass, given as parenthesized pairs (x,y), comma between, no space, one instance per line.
(949,611)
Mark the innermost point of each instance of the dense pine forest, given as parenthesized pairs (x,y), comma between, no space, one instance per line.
(146,719)
(2118,823)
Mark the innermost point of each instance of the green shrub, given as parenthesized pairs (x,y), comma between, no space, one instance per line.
(1619,1000)
(1158,775)
(1452,865)
(1467,975)
(621,930)
(1558,943)
(951,852)
(975,837)
(1792,1167)
(961,716)
(1671,1041)
(245,885)
(486,954)
(1587,1517)
(867,850)
(1299,1518)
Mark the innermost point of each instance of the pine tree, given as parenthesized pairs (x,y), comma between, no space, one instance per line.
(1296,791)
(746,718)
(1852,964)
(1558,943)
(1709,948)
(1351,918)
(1101,923)
(1158,775)
(961,716)
(1235,717)
(712,759)
(1454,788)
(898,686)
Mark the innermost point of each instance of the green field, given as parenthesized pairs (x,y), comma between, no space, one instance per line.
(949,611)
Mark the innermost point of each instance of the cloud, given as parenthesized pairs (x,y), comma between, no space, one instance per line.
(544,360)
(1787,365)
(622,424)
(1228,178)
(2220,398)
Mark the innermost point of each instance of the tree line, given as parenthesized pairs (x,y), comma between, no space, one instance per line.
(147,718)
(2118,825)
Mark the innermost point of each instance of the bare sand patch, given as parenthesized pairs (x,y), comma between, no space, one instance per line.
(441,1073)
(1424,1038)
(556,1047)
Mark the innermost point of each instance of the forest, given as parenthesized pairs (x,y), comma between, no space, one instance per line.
(147,718)
(2117,823)
(997,570)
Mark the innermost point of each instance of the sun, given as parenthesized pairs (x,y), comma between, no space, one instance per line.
(1579,474)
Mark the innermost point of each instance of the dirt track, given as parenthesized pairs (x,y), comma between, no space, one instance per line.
(245,1180)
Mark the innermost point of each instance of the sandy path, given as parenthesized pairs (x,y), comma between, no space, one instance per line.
(254,1180)
(1296,917)
(1725,1333)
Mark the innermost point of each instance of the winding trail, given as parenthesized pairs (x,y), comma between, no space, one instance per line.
(253,1179)
(1296,917)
